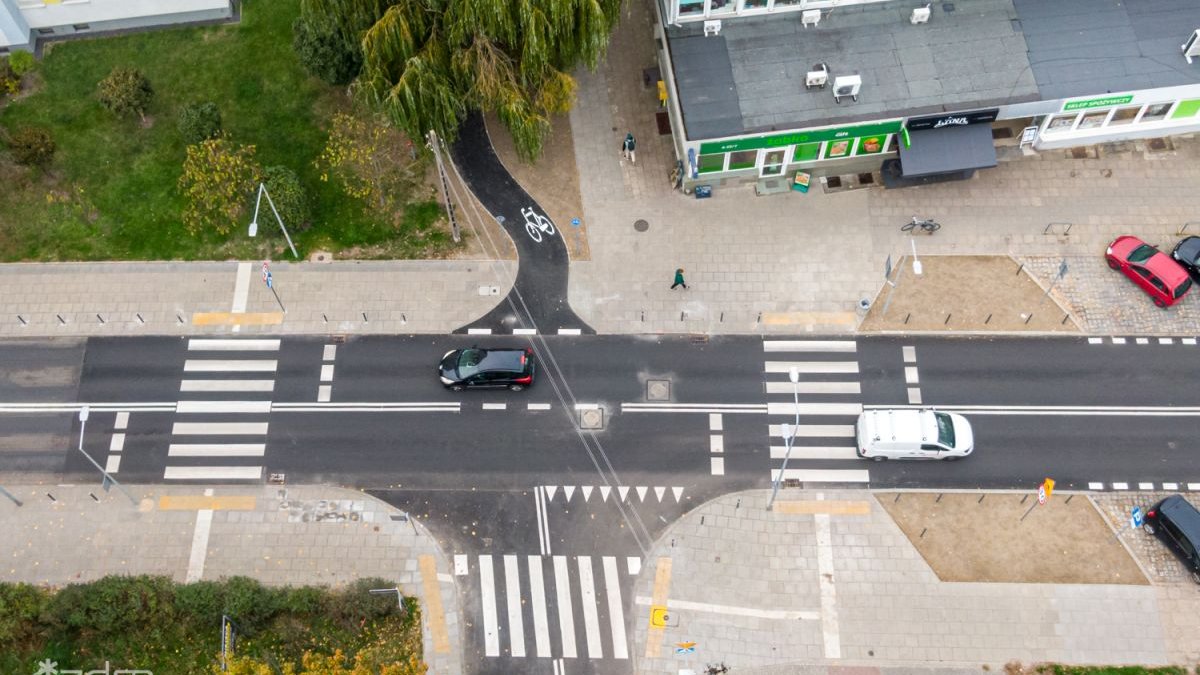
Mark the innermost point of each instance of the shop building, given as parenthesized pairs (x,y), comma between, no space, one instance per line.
(758,89)
(25,23)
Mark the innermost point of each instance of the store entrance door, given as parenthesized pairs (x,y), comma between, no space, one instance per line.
(771,162)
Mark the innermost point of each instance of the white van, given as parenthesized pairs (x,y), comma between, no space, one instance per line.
(913,434)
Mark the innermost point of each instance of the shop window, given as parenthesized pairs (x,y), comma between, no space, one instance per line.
(691,7)
(722,7)
(1124,115)
(1062,122)
(806,152)
(787,3)
(743,159)
(754,4)
(710,163)
(1187,108)
(871,145)
(835,149)
(1094,119)
(1156,112)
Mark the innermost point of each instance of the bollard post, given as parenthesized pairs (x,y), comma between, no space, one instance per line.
(22,320)
(1028,318)
(100,318)
(139,318)
(61,320)
(987,320)
(947,321)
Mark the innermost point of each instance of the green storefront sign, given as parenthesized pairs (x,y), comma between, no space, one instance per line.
(783,140)
(1102,102)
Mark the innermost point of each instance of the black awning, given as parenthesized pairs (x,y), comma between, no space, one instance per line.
(949,149)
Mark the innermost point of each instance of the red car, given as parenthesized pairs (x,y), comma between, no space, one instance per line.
(1163,279)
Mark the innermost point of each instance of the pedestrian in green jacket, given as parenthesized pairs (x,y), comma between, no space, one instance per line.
(679,279)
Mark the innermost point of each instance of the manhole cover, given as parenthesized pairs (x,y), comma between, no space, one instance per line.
(592,418)
(641,225)
(658,390)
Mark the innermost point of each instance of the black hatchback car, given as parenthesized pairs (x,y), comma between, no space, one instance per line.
(1187,253)
(478,368)
(1177,523)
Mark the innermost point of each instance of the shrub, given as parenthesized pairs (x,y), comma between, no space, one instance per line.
(21,62)
(202,601)
(125,91)
(324,53)
(32,146)
(250,604)
(199,121)
(10,82)
(303,600)
(355,604)
(21,605)
(115,604)
(288,196)
(218,183)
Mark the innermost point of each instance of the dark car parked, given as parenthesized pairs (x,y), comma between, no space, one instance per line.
(1187,253)
(478,368)
(1177,523)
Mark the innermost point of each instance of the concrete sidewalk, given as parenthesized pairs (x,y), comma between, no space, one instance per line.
(764,592)
(294,535)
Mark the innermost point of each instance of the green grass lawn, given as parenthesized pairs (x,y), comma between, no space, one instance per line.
(111,192)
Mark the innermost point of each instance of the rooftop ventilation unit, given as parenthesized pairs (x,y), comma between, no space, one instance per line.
(810,17)
(920,15)
(712,27)
(817,77)
(1192,46)
(846,85)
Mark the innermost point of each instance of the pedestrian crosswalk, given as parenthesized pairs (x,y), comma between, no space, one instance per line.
(813,399)
(218,438)
(552,607)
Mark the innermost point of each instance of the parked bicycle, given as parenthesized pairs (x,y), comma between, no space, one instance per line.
(925,225)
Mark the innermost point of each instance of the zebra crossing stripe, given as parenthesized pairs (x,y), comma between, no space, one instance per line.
(537,595)
(512,589)
(616,619)
(491,626)
(566,621)
(591,618)
(808,345)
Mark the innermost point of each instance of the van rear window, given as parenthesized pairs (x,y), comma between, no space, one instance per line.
(945,429)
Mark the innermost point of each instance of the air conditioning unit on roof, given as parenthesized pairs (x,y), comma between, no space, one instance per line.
(810,17)
(1192,46)
(846,85)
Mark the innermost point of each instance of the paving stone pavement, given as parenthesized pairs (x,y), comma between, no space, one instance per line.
(768,592)
(285,536)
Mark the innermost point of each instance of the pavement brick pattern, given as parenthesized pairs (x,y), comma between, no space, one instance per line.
(287,536)
(748,587)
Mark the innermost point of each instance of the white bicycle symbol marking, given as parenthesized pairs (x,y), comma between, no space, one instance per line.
(536,224)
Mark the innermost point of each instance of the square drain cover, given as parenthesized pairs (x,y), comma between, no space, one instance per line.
(591,418)
(658,390)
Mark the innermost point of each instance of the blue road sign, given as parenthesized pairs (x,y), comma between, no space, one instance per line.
(1137,518)
(575,222)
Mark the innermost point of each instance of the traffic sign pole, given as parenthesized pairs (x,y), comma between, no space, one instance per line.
(269,281)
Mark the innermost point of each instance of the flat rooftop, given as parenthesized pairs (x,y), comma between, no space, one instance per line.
(971,54)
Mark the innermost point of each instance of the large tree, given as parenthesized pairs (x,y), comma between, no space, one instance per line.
(427,62)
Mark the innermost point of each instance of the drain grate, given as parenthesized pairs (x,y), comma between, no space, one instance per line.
(833,181)
(658,390)
(592,418)
(866,179)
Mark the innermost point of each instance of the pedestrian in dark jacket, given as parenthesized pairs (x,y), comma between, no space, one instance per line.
(679,279)
(628,148)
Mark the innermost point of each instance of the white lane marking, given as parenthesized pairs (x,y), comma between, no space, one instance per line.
(122,421)
(824,475)
(1173,487)
(537,597)
(343,406)
(460,564)
(117,443)
(491,625)
(195,568)
(633,564)
(512,590)
(587,406)
(814,388)
(616,608)
(814,452)
(225,345)
(604,492)
(479,331)
(591,619)
(543,521)
(1193,486)
(495,406)
(330,353)
(216,449)
(717,466)
(716,422)
(241,291)
(790,408)
(622,490)
(566,615)
(213,473)
(1188,341)
(569,491)
(525,331)
(777,614)
(825,572)
(230,366)
(1095,341)
(569,331)
(707,408)
(817,430)
(1166,341)
(1145,486)
(223,407)
(914,395)
(808,345)
(910,375)
(659,491)
(559,667)
(324,393)
(716,443)
(812,366)
(327,372)
(550,490)
(1095,486)
(678,492)
(587,492)
(219,428)
(1149,411)
(1120,486)
(76,407)
(910,353)
(1118,341)
(1142,341)
(227,385)
(113,464)
(538,406)
(641,492)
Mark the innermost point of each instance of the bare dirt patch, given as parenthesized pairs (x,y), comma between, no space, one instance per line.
(553,180)
(976,293)
(965,539)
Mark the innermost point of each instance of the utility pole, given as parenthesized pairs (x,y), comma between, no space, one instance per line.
(443,184)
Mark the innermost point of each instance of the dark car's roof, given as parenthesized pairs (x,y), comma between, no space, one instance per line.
(1189,249)
(502,359)
(1183,514)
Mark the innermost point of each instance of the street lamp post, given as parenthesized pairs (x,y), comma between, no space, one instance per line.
(262,189)
(789,433)
(83,418)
